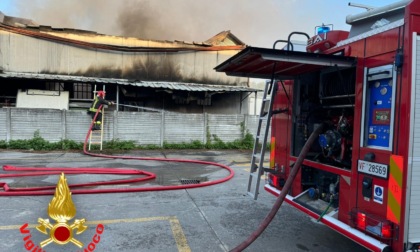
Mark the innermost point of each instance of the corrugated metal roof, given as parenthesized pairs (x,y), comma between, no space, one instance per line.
(167,46)
(150,84)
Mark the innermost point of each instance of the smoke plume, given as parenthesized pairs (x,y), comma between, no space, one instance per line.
(255,22)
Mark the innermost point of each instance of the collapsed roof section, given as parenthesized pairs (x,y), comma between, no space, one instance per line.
(15,21)
(224,40)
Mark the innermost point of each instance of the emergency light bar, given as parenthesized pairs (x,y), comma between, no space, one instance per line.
(323,29)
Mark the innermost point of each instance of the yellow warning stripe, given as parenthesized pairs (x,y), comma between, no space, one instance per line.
(272,152)
(395,188)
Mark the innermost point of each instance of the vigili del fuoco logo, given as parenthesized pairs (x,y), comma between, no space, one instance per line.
(61,209)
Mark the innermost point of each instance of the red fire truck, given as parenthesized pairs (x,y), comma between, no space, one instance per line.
(361,176)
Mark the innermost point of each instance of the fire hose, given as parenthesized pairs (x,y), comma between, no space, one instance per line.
(296,167)
(6,190)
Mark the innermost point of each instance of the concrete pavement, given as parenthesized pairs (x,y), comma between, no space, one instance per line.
(215,218)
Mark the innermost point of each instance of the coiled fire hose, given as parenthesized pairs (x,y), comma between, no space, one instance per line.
(86,188)
(296,167)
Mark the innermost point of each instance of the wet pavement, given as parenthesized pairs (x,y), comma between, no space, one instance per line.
(213,218)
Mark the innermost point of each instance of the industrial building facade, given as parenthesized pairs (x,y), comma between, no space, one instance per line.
(49,76)
(47,62)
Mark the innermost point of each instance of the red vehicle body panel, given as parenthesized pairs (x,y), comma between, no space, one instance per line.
(344,148)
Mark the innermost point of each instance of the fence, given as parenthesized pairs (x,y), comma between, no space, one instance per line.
(141,127)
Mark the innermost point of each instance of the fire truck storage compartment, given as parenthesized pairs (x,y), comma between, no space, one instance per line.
(320,190)
(326,96)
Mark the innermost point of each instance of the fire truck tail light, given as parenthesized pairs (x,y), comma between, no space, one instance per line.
(372,224)
(361,220)
(386,231)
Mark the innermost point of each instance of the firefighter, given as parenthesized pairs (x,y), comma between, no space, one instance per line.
(97,102)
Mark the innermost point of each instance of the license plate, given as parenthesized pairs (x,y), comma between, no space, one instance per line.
(374,169)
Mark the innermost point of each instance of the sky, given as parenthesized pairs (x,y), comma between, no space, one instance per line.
(255,22)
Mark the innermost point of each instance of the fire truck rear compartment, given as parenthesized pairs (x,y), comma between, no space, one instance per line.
(309,200)
(326,96)
(318,186)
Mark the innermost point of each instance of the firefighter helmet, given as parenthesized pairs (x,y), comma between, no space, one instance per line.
(101,93)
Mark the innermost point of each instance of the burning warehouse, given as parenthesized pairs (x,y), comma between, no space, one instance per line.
(59,68)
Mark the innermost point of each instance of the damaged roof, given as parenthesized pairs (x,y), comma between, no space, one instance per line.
(15,21)
(224,40)
(148,84)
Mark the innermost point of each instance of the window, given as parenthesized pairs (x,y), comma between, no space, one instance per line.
(54,86)
(82,91)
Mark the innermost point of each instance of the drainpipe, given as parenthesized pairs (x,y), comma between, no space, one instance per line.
(117,101)
(255,103)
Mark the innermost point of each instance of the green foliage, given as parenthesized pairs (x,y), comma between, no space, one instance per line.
(39,143)
(216,143)
(248,141)
(208,135)
(66,144)
(117,144)
(3,144)
(195,144)
(213,142)
(149,147)
(18,144)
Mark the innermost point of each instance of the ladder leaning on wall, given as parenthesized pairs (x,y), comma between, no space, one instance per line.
(96,137)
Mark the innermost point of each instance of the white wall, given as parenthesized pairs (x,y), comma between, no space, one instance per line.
(33,98)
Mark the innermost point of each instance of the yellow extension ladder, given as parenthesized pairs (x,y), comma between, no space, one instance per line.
(96,137)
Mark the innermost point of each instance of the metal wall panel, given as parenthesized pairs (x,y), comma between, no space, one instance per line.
(184,127)
(23,53)
(414,203)
(5,54)
(33,55)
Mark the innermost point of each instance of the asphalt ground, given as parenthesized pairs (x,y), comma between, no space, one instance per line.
(214,218)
